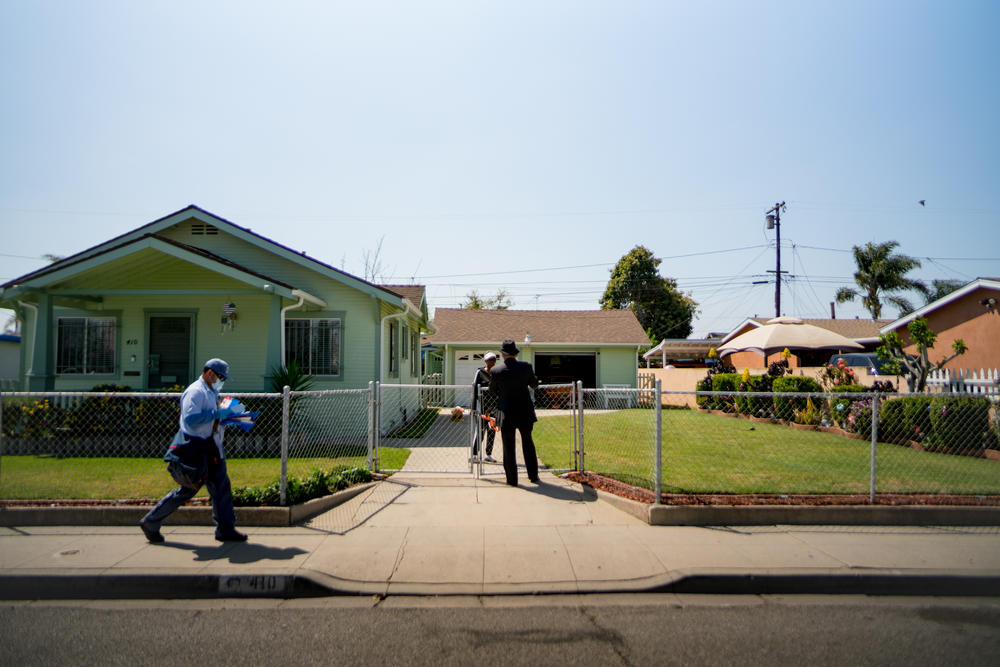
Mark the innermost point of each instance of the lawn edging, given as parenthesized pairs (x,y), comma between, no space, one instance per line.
(804,515)
(184,516)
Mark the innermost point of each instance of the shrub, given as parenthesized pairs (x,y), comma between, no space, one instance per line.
(840,406)
(892,426)
(785,407)
(757,406)
(703,385)
(917,416)
(298,490)
(725,382)
(960,424)
(859,417)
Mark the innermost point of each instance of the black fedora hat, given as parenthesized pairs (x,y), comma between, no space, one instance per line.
(509,348)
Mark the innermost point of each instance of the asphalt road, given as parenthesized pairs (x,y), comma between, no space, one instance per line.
(570,630)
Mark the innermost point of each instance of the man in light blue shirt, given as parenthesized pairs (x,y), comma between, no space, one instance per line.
(199,443)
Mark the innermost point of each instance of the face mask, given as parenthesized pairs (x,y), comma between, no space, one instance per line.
(217,385)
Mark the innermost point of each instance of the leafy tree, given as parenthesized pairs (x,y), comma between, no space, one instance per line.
(636,284)
(942,288)
(879,276)
(915,368)
(475,302)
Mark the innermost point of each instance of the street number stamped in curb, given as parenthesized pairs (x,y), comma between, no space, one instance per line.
(251,584)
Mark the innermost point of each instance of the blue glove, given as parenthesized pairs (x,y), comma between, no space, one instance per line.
(222,414)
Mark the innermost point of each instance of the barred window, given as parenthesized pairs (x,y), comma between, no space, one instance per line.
(405,338)
(314,345)
(85,345)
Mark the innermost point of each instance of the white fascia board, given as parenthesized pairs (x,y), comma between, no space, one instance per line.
(945,300)
(732,333)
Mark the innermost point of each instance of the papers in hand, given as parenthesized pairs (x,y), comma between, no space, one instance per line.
(238,414)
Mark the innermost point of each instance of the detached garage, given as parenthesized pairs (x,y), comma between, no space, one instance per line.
(597,347)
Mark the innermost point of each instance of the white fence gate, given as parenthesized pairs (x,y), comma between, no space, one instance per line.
(985,381)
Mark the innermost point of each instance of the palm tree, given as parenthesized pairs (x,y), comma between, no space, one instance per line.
(880,274)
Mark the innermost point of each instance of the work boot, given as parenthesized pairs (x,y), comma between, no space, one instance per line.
(230,535)
(152,535)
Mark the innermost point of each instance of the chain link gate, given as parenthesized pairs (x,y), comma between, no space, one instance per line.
(433,422)
(555,432)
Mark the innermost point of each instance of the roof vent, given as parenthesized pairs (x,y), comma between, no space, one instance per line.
(203,229)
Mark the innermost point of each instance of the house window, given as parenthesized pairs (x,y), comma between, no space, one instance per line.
(393,363)
(406,342)
(314,345)
(85,345)
(415,357)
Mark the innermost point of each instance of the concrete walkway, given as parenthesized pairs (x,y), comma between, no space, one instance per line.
(441,534)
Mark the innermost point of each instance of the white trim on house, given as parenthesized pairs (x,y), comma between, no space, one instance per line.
(934,305)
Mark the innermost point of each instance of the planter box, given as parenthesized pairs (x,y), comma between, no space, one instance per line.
(992,454)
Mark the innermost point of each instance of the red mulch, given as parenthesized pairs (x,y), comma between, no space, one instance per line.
(641,495)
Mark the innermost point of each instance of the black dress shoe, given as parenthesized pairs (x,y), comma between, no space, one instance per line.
(231,535)
(534,480)
(153,536)
(511,483)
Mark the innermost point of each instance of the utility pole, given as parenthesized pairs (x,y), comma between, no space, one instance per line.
(773,217)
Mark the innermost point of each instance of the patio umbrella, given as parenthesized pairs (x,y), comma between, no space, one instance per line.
(790,332)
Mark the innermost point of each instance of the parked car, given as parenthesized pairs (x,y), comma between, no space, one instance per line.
(869,360)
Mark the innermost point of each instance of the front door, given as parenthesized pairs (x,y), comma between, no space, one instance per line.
(168,362)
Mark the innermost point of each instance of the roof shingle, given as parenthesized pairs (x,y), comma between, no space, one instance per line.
(460,325)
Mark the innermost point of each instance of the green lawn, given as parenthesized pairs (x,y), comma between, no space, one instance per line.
(34,477)
(704,453)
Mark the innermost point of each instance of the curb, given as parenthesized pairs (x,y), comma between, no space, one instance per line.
(184,516)
(305,585)
(805,515)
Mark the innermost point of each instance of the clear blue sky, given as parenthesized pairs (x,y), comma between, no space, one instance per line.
(489,145)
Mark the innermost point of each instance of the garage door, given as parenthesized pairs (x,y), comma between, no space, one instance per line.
(561,368)
(466,366)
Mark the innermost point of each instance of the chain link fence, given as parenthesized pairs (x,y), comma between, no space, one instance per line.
(733,443)
(618,436)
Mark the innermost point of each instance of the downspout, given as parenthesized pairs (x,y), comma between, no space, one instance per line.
(303,297)
(34,336)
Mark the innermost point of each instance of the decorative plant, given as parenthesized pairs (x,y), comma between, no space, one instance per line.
(810,415)
(838,375)
(290,376)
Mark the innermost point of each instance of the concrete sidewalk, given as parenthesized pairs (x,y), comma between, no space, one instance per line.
(433,534)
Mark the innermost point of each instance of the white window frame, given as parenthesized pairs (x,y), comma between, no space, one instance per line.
(91,327)
(311,366)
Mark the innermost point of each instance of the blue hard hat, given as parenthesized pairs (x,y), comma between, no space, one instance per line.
(220,367)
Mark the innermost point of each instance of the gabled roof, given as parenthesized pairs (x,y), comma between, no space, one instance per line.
(594,327)
(412,293)
(243,233)
(978,283)
(857,329)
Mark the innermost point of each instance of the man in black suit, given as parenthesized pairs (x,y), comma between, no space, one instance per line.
(510,381)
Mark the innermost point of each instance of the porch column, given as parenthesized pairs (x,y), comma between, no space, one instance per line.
(41,369)
(273,351)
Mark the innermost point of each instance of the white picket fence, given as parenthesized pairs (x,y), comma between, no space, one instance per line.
(985,381)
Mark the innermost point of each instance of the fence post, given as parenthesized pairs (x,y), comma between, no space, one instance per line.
(657,400)
(871,484)
(579,416)
(285,394)
(377,426)
(371,437)
(576,432)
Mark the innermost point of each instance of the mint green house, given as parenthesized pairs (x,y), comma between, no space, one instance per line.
(147,308)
